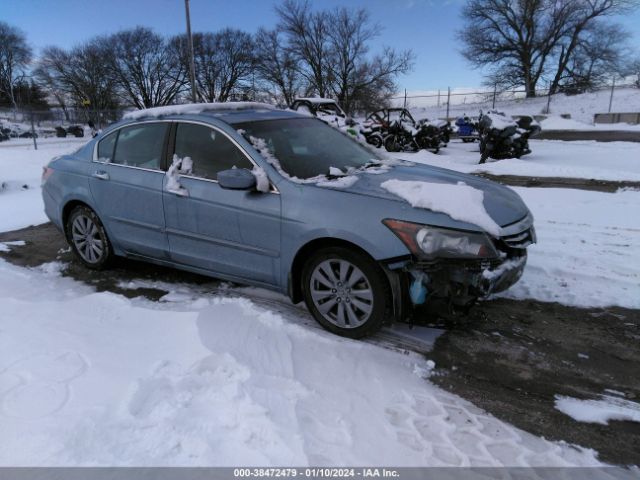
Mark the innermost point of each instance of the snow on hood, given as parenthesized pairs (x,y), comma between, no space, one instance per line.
(458,200)
(194,108)
(503,205)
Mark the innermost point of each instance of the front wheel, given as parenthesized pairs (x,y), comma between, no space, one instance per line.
(392,144)
(346,292)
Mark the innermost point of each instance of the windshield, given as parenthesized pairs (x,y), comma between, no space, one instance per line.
(308,147)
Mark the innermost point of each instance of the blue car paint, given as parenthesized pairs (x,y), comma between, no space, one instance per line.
(258,235)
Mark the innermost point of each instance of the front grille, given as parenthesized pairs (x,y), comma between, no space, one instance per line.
(520,240)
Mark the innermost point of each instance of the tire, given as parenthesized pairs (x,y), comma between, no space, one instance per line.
(391,144)
(356,309)
(376,141)
(88,239)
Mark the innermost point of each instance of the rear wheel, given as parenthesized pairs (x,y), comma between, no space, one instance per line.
(346,292)
(88,239)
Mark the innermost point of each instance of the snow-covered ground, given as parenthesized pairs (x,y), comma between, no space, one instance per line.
(204,378)
(549,158)
(581,107)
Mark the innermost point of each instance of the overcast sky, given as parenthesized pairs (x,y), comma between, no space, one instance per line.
(426,26)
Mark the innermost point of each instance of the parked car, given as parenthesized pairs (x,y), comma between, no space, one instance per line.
(61,132)
(75,130)
(27,134)
(318,106)
(254,195)
(327,110)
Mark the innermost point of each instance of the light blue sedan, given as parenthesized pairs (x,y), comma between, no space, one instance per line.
(276,199)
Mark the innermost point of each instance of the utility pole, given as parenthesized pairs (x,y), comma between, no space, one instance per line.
(548,99)
(495,91)
(448,101)
(613,87)
(192,64)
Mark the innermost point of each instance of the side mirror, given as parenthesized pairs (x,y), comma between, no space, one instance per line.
(237,179)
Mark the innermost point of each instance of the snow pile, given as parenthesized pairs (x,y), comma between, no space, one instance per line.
(599,411)
(341,182)
(97,379)
(6,246)
(195,108)
(500,121)
(459,201)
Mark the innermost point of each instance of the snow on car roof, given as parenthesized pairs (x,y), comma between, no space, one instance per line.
(316,100)
(195,108)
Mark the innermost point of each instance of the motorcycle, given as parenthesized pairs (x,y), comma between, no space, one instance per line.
(405,137)
(501,137)
(467,129)
(444,126)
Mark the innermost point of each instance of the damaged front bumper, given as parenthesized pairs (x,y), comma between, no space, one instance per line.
(456,284)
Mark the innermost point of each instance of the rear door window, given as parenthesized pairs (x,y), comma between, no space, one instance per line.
(210,150)
(141,145)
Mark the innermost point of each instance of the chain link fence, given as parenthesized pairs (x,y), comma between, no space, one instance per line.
(452,102)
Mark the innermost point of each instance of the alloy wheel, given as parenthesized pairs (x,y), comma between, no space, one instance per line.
(342,293)
(86,238)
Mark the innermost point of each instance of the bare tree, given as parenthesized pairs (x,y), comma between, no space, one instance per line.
(276,65)
(223,60)
(333,55)
(308,39)
(146,68)
(518,39)
(582,22)
(355,80)
(15,55)
(596,58)
(514,38)
(81,74)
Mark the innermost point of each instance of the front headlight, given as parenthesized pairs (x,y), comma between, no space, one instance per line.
(436,242)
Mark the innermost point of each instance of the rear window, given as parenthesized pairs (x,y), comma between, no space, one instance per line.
(141,145)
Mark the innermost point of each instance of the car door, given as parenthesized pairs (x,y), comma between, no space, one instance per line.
(126,183)
(234,233)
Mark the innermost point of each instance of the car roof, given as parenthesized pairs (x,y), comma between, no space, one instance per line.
(228,112)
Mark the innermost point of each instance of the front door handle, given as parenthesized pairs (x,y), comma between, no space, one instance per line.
(102,175)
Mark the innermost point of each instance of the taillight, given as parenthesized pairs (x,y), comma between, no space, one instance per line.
(46,173)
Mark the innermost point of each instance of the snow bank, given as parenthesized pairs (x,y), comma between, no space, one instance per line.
(20,174)
(459,201)
(550,158)
(195,108)
(581,107)
(599,411)
(587,251)
(97,379)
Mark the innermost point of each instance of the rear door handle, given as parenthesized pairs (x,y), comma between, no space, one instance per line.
(102,175)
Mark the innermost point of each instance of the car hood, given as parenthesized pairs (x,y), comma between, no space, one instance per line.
(503,204)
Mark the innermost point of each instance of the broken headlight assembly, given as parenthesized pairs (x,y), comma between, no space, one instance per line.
(430,242)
